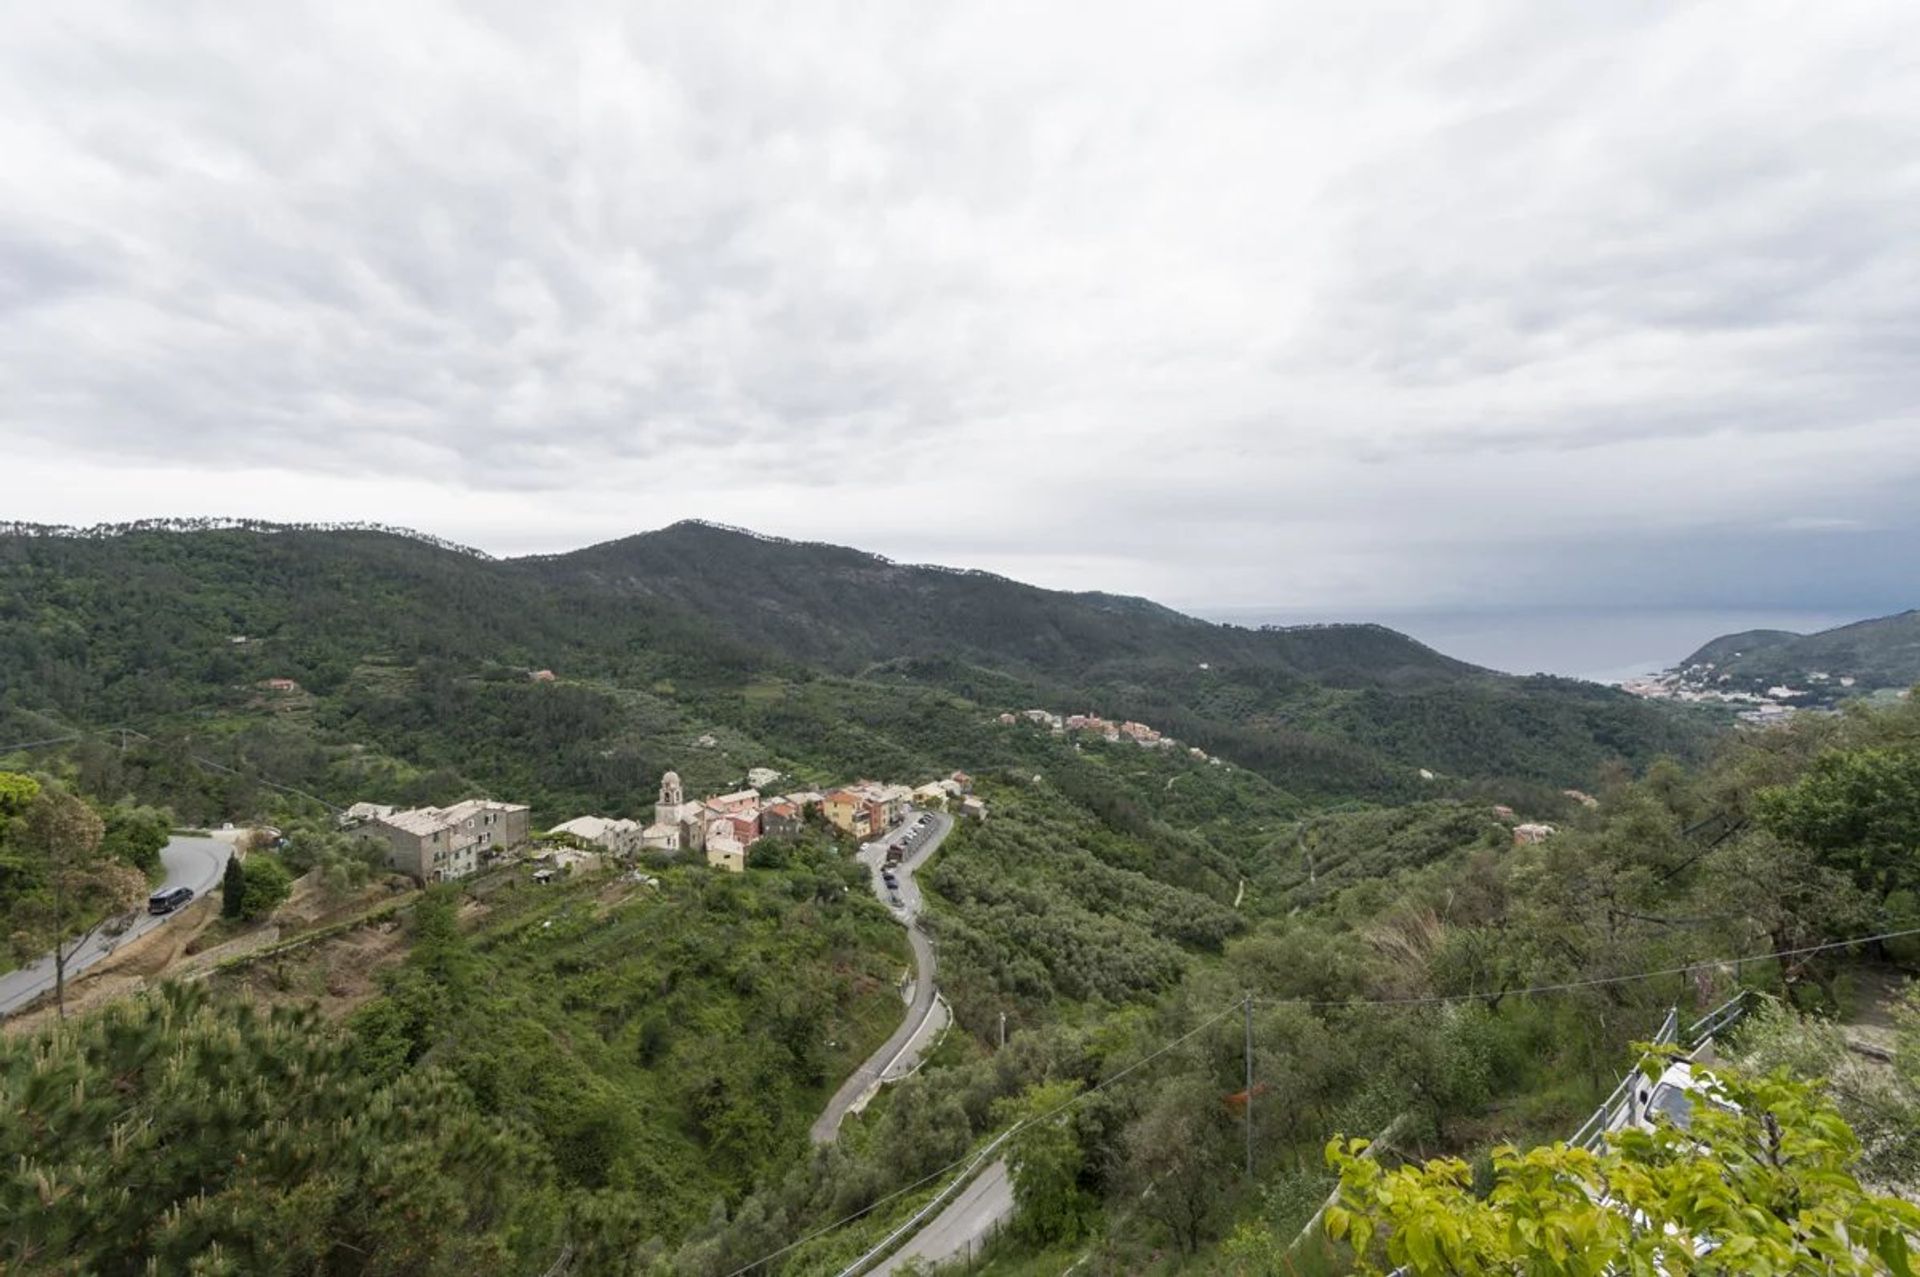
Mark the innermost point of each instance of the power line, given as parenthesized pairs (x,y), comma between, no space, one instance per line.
(1594,982)
(1700,921)
(258,780)
(198,758)
(35,744)
(1011,1131)
(1735,827)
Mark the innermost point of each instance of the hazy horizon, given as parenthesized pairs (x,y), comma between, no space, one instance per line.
(1604,645)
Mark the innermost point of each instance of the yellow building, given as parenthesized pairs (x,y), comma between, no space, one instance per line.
(848,812)
(727,853)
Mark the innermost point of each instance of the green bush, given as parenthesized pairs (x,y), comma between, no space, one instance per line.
(266,885)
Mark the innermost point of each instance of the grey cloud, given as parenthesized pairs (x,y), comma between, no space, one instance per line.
(1214,304)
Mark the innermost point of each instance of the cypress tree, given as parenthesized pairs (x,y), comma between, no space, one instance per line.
(233,888)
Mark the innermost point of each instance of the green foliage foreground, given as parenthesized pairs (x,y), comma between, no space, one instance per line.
(216,1140)
(1759,1182)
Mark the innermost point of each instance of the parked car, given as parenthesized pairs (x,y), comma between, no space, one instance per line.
(1671,1097)
(168,901)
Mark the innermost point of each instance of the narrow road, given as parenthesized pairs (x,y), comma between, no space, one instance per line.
(959,1231)
(190,862)
(866,1079)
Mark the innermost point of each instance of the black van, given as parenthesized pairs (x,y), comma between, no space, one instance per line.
(168,901)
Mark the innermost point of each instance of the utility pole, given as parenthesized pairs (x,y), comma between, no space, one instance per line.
(1249,1010)
(1003,1030)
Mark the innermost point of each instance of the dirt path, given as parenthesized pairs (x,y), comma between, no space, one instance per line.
(1869,1028)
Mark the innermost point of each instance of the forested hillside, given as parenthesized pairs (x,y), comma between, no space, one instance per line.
(634,1064)
(647,1058)
(1880,653)
(412,662)
(583,1069)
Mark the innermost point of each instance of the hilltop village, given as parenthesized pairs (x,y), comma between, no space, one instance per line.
(1095,727)
(442,844)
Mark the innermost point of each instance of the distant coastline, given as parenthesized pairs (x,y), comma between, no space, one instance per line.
(1600,645)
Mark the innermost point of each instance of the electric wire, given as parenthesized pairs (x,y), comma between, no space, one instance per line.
(1441,999)
(1017,1127)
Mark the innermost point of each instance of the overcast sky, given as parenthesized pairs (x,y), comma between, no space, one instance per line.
(1332,307)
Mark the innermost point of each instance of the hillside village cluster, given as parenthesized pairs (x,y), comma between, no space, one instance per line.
(1700,683)
(440,844)
(1103,728)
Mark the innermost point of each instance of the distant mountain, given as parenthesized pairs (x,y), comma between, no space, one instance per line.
(809,652)
(1875,654)
(849,609)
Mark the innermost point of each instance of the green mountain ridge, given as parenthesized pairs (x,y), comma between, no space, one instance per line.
(848,608)
(423,649)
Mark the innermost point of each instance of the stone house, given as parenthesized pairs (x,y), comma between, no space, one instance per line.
(661,837)
(780,820)
(439,844)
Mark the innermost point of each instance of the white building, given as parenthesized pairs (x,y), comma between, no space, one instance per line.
(621,837)
(361,813)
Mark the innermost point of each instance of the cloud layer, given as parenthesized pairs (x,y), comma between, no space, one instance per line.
(1341,306)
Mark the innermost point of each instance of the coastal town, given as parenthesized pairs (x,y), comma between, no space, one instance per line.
(443,844)
(1702,684)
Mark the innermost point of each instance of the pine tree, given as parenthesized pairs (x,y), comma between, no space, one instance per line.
(86,887)
(180,1133)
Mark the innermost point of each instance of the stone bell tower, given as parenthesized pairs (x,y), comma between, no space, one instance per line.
(667,810)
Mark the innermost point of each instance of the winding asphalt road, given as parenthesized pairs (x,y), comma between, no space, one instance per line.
(190,862)
(960,1230)
(826,1128)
